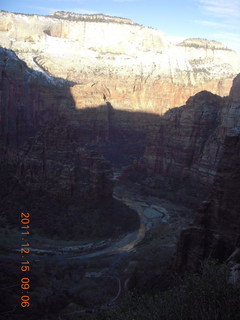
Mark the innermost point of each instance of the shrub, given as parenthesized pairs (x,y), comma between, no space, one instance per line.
(206,296)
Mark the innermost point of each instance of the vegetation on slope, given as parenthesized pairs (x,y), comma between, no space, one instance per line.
(197,297)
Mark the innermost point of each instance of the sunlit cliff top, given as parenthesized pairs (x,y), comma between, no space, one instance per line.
(98,17)
(203,43)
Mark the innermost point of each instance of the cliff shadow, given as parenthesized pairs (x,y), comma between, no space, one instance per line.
(52,148)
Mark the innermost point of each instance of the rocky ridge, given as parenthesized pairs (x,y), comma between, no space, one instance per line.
(89,17)
(134,67)
(203,43)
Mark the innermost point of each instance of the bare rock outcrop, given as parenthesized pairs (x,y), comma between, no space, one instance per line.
(180,148)
(27,99)
(235,90)
(216,231)
(53,162)
(48,161)
(52,159)
(203,43)
(90,17)
(189,141)
(136,68)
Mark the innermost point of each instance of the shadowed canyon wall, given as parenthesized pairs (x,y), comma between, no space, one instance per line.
(216,232)
(50,139)
(127,67)
(50,157)
(189,141)
(76,98)
(28,99)
(186,143)
(46,161)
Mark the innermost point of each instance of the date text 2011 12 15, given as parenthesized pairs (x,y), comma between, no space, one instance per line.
(25,264)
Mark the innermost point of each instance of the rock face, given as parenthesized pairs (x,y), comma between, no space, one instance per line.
(52,159)
(90,17)
(27,99)
(216,232)
(234,93)
(54,163)
(189,141)
(133,67)
(117,80)
(49,163)
(202,43)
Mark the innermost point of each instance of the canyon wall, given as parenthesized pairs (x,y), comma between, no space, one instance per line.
(30,99)
(186,143)
(49,163)
(51,159)
(133,67)
(87,87)
(189,141)
(53,162)
(216,231)
(27,99)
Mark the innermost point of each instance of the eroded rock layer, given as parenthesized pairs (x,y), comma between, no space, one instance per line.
(189,141)
(54,163)
(45,167)
(27,99)
(131,66)
(216,232)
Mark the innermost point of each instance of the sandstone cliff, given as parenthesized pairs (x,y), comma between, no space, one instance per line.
(51,158)
(53,162)
(45,167)
(184,144)
(189,141)
(133,67)
(216,232)
(27,99)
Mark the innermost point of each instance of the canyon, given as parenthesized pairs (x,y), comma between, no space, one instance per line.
(108,131)
(44,151)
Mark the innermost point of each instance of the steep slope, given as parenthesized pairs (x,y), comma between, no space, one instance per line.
(27,99)
(53,162)
(216,232)
(133,67)
(188,143)
(30,98)
(45,168)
